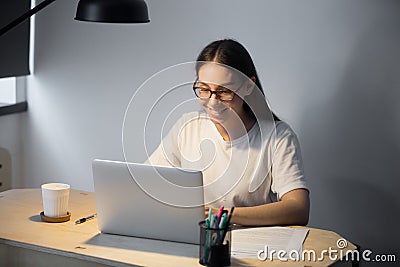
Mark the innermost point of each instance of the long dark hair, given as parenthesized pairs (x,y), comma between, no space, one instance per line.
(233,54)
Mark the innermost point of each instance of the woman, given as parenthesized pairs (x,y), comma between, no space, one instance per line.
(244,163)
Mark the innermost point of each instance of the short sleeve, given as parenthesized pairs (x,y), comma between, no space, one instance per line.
(287,165)
(167,153)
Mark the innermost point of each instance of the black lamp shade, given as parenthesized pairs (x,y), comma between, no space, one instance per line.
(112,11)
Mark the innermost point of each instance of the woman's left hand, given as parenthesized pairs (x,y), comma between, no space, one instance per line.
(214,210)
(207,209)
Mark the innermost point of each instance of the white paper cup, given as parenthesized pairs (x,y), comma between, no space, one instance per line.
(55,198)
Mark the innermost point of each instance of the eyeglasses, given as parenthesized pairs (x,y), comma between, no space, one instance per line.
(202,90)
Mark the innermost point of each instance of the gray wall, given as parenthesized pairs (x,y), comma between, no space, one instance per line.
(331,69)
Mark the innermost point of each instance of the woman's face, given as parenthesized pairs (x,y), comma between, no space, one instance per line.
(218,78)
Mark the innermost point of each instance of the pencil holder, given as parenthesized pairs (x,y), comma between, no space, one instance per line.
(215,246)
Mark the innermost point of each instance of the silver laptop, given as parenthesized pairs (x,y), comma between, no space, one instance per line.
(148,201)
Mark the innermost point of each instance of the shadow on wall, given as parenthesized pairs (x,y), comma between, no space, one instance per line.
(353,146)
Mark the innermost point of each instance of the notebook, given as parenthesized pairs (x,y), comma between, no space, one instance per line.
(147,201)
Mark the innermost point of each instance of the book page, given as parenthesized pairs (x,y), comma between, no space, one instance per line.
(247,243)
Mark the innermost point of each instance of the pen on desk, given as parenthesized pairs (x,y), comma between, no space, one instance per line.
(82,220)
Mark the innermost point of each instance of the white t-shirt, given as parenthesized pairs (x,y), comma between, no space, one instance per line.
(254,169)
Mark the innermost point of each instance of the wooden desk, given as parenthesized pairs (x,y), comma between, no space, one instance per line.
(27,241)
